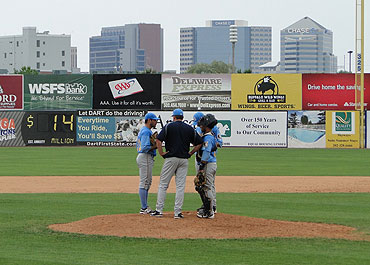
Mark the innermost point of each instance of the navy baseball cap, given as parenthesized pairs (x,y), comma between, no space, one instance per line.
(151,116)
(177,112)
(197,117)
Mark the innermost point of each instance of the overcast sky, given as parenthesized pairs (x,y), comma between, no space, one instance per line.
(83,19)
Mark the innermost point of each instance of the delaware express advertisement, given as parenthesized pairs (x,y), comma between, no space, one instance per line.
(196,92)
(266,92)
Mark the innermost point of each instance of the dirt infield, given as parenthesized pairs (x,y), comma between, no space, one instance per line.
(223,226)
(129,184)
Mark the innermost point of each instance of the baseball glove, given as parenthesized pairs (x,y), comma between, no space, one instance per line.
(200,179)
(152,138)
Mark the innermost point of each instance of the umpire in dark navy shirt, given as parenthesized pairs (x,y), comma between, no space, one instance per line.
(177,136)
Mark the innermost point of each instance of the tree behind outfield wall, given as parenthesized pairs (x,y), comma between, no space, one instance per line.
(216,67)
(26,70)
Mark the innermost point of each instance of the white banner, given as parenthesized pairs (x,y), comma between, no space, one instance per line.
(196,92)
(249,128)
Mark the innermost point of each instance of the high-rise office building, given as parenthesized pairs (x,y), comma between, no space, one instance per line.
(41,51)
(129,48)
(307,47)
(74,67)
(211,43)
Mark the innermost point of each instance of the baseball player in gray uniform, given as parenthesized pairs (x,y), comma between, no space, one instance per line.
(145,159)
(177,136)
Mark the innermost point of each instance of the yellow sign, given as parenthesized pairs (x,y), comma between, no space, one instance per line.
(342,129)
(266,92)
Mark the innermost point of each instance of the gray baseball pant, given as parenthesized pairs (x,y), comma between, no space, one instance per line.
(145,163)
(172,166)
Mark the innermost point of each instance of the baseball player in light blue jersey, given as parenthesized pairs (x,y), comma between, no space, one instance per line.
(219,142)
(207,166)
(145,159)
(215,131)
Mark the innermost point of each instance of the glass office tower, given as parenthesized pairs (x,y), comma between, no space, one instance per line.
(307,47)
(211,43)
(129,48)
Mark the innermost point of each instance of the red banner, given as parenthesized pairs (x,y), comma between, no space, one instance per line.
(331,91)
(11,92)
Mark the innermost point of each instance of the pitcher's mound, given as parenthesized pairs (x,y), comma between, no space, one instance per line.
(222,226)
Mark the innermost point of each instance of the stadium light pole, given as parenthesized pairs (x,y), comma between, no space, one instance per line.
(350,61)
(233,39)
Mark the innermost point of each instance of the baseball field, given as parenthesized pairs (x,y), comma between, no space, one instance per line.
(282,206)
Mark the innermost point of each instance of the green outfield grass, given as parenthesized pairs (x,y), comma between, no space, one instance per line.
(87,161)
(24,238)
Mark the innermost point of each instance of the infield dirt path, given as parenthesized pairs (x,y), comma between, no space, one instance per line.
(129,184)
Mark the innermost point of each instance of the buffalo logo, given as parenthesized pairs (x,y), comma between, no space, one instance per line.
(265,84)
(266,90)
(125,87)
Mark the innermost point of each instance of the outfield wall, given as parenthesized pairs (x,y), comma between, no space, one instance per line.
(254,110)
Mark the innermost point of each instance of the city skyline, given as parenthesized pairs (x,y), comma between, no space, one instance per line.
(81,21)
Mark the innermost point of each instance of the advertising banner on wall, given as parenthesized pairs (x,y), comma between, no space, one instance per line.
(331,91)
(249,129)
(306,129)
(196,92)
(49,128)
(124,91)
(266,92)
(11,92)
(367,129)
(109,127)
(10,128)
(57,92)
(342,129)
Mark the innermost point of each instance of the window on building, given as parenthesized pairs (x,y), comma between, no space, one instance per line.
(43,54)
(37,43)
(43,64)
(17,43)
(38,54)
(43,42)
(5,55)
(37,65)
(63,53)
(63,63)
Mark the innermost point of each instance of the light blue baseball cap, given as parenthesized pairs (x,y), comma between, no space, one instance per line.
(177,112)
(151,116)
(197,117)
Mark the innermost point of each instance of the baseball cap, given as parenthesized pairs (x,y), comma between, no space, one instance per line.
(151,116)
(177,112)
(197,117)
